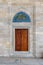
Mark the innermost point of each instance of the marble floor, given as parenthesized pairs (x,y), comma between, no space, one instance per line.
(20,61)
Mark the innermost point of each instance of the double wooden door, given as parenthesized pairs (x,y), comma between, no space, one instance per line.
(21,39)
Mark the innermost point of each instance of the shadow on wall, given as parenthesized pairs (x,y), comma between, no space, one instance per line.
(41,55)
(41,51)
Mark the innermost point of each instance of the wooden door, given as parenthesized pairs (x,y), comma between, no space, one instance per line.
(21,39)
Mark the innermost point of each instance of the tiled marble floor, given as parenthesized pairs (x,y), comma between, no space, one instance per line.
(23,61)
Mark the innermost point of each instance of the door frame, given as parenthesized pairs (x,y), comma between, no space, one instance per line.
(21,54)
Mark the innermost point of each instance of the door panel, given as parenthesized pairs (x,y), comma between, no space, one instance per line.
(17,40)
(21,39)
(24,45)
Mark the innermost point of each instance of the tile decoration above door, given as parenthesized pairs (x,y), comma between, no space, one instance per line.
(21,17)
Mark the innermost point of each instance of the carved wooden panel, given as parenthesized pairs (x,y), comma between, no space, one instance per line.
(21,39)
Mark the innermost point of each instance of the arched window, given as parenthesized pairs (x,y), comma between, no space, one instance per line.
(21,17)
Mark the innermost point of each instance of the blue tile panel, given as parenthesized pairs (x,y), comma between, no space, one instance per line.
(21,17)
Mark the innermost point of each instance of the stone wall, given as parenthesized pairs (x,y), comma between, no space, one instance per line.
(39,28)
(8,8)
